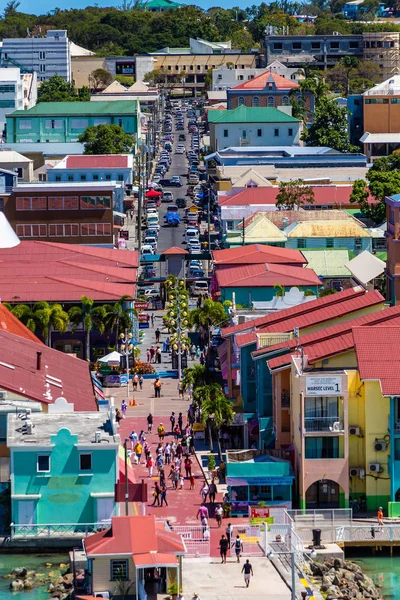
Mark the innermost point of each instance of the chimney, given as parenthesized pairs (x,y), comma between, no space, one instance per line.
(38,360)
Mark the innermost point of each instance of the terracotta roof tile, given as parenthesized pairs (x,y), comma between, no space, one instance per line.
(260,82)
(378,357)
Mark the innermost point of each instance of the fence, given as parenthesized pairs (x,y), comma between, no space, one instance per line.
(368,533)
(58,530)
(196,543)
(252,538)
(327,520)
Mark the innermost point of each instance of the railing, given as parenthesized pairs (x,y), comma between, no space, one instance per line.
(197,544)
(58,530)
(368,533)
(325,519)
(332,424)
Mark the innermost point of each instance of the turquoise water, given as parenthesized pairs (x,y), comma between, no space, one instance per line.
(384,571)
(32,562)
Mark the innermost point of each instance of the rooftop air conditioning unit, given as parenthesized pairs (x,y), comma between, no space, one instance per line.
(337,426)
(97,437)
(3,395)
(375,468)
(380,445)
(353,430)
(357,472)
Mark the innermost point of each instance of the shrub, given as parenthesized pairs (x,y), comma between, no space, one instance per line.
(143,368)
(211,462)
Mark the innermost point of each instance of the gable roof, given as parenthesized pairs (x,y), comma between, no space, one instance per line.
(329,229)
(257,253)
(260,230)
(260,82)
(380,360)
(96,161)
(328,263)
(243,114)
(251,176)
(119,107)
(336,303)
(115,86)
(265,275)
(13,325)
(174,250)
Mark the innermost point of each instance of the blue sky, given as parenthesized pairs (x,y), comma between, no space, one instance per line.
(44,6)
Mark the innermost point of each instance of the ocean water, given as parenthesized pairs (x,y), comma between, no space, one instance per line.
(32,562)
(384,571)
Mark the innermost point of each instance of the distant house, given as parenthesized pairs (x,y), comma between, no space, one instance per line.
(160,5)
(105,167)
(329,234)
(19,164)
(350,9)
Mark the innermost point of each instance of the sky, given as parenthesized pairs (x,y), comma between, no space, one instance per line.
(43,6)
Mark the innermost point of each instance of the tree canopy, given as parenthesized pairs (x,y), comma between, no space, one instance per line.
(294,194)
(329,127)
(106,139)
(57,89)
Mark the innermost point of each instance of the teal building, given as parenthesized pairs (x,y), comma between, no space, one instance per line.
(63,467)
(64,122)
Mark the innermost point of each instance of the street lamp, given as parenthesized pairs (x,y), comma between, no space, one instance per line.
(177,318)
(312,555)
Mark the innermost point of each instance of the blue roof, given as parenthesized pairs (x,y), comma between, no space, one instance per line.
(395,198)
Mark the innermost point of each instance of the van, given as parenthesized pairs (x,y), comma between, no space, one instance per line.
(199,287)
(193,179)
(191,234)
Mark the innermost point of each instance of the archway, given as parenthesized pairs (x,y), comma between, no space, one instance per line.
(324,493)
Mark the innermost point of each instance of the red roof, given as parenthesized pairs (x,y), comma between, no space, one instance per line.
(336,195)
(66,375)
(260,82)
(242,339)
(34,271)
(97,161)
(257,253)
(331,301)
(133,535)
(13,325)
(155,559)
(265,275)
(378,357)
(175,250)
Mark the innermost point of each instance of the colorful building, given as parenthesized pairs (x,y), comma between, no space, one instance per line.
(393,248)
(104,167)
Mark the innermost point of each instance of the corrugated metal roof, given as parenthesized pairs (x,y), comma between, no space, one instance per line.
(324,195)
(106,161)
(243,114)
(330,229)
(265,275)
(114,107)
(379,358)
(328,263)
(257,253)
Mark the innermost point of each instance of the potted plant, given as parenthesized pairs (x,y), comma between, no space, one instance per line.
(173,591)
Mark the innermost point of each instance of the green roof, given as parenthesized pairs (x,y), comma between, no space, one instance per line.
(242,114)
(328,263)
(160,4)
(114,107)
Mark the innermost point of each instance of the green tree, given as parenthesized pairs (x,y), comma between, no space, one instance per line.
(329,127)
(48,317)
(211,314)
(350,76)
(196,376)
(11,8)
(280,290)
(243,40)
(100,78)
(91,316)
(56,89)
(294,194)
(216,409)
(25,314)
(117,317)
(208,79)
(125,80)
(106,139)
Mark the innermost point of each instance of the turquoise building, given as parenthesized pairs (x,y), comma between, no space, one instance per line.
(63,467)
(64,122)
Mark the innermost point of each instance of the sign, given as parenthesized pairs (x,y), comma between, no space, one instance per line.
(143,318)
(284,480)
(124,234)
(238,419)
(140,305)
(198,427)
(131,362)
(323,386)
(186,535)
(144,325)
(258,512)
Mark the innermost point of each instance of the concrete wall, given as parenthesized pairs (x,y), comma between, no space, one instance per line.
(382,114)
(82,66)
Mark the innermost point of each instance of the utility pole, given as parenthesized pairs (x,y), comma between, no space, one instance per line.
(127,361)
(139,227)
(126,477)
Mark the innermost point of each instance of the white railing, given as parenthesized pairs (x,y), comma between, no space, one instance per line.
(197,544)
(368,533)
(58,530)
(327,520)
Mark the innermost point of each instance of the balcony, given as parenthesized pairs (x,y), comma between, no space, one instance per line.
(328,424)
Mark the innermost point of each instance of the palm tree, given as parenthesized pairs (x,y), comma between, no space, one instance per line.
(196,376)
(91,316)
(117,317)
(280,290)
(211,314)
(48,317)
(24,313)
(216,409)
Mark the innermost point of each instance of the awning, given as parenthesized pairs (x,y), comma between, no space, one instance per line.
(154,559)
(119,214)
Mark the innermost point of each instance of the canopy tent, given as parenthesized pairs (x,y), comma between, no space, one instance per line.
(114,358)
(152,194)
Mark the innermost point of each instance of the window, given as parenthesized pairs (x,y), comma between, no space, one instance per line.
(198,67)
(79,123)
(25,124)
(296,45)
(377,101)
(301,243)
(259,132)
(330,242)
(29,231)
(278,46)
(102,202)
(225,133)
(353,45)
(101,121)
(395,100)
(58,177)
(83,177)
(85,462)
(53,124)
(26,203)
(43,463)
(95,229)
(70,177)
(120,177)
(42,55)
(63,203)
(176,67)
(396,448)
(334,45)
(276,132)
(290,132)
(322,447)
(240,77)
(229,225)
(285,101)
(42,68)
(241,101)
(95,177)
(64,230)
(244,134)
(191,68)
(256,101)
(270,101)
(120,122)
(119,570)
(108,177)
(7,88)
(7,104)
(316,45)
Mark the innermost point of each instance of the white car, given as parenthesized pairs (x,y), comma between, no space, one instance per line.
(194,247)
(147,249)
(151,293)
(180,150)
(156,178)
(199,287)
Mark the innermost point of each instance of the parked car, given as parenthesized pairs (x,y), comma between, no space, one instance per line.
(176,181)
(181,202)
(167,197)
(147,249)
(199,287)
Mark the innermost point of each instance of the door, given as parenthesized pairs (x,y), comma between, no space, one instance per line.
(105,509)
(26,512)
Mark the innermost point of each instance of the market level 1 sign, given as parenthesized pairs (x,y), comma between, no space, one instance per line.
(323,386)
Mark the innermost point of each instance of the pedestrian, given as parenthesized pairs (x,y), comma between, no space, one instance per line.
(131,213)
(191,487)
(167,344)
(204,523)
(176,432)
(167,453)
(148,354)
(198,351)
(152,320)
(157,388)
(179,451)
(190,392)
(380,517)
(159,462)
(181,390)
(202,360)
(158,333)
(223,548)
(152,353)
(191,445)
(150,465)
(180,421)
(238,544)
(158,355)
(135,381)
(218,514)
(161,474)
(204,492)
(247,569)
(124,406)
(203,511)
(141,381)
(188,466)
(156,494)
(149,422)
(142,437)
(146,449)
(164,496)
(181,481)
(196,597)
(192,351)
(118,416)
(212,491)
(133,438)
(161,432)
(229,533)
(138,451)
(172,420)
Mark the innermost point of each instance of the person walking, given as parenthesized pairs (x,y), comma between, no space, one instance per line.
(152,353)
(223,548)
(212,492)
(161,432)
(150,465)
(190,392)
(156,494)
(203,511)
(172,420)
(157,388)
(141,382)
(204,492)
(218,515)
(176,432)
(135,381)
(204,523)
(148,355)
(161,474)
(118,416)
(158,355)
(238,544)
(167,453)
(149,423)
(124,406)
(181,390)
(180,421)
(152,320)
(380,517)
(192,351)
(229,533)
(164,496)
(138,452)
(188,466)
(247,569)
(133,438)
(157,333)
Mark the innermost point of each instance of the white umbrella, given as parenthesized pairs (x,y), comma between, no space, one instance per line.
(111,359)
(8,237)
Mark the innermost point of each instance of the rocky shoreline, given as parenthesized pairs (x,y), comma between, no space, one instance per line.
(338,578)
(60,586)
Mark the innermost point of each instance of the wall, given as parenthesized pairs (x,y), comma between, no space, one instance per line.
(120,175)
(27,169)
(83,66)
(245,295)
(101,573)
(65,492)
(338,242)
(248,134)
(381,114)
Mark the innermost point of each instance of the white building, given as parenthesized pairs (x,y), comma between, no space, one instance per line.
(225,78)
(47,56)
(18,91)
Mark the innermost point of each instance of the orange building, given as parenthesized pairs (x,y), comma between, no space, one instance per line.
(381,105)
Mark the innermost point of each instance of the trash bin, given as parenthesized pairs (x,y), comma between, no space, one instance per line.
(316,537)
